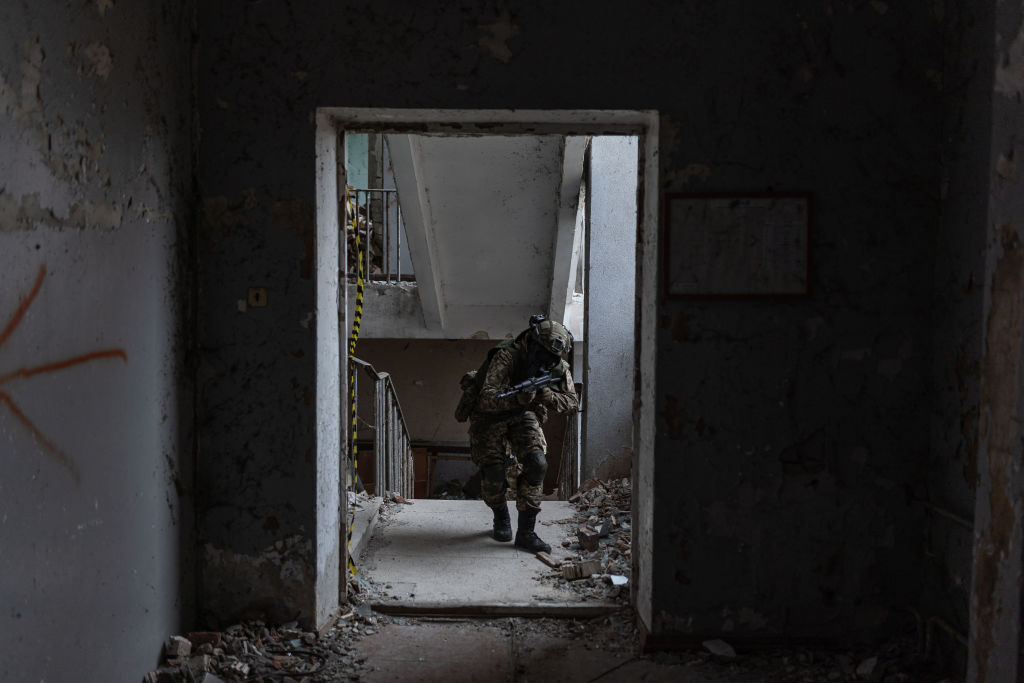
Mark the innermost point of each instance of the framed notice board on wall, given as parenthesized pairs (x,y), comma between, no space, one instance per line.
(736,245)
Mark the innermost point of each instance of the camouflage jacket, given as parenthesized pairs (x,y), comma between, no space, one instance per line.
(507,367)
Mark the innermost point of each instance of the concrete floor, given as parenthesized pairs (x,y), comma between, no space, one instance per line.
(453,652)
(454,605)
(438,557)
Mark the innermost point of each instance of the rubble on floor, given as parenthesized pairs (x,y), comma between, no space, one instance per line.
(600,540)
(257,652)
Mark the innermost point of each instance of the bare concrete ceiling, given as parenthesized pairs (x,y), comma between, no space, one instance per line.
(487,219)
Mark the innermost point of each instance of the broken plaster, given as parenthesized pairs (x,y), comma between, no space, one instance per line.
(100,61)
(65,148)
(296,215)
(278,581)
(999,433)
(31,75)
(26,213)
(501,31)
(1009,79)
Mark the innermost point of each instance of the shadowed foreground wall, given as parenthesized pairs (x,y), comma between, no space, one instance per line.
(791,437)
(96,528)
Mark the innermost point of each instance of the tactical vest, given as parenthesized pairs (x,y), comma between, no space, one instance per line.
(473,381)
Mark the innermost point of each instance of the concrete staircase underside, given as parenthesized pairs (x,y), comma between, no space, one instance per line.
(491,227)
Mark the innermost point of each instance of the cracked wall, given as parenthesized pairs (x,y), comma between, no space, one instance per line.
(96,518)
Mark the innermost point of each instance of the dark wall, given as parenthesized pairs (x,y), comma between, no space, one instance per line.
(792,434)
(957,306)
(996,642)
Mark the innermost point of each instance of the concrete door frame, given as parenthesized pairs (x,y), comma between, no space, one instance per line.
(332,307)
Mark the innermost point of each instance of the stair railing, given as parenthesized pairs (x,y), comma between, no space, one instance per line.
(392,449)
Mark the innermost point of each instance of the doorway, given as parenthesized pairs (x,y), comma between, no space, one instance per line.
(332,125)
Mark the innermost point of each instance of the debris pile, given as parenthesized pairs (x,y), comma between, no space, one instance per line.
(601,539)
(255,651)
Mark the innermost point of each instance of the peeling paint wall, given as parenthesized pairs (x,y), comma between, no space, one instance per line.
(96,519)
(998,569)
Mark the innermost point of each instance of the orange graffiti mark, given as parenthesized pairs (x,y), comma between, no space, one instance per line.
(23,306)
(24,373)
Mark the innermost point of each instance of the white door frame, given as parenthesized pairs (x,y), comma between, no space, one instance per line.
(331,355)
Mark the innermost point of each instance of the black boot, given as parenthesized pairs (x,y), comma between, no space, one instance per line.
(525,536)
(502,523)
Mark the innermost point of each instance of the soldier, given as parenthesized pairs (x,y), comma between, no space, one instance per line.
(500,420)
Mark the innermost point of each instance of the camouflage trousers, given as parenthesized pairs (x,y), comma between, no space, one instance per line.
(510,455)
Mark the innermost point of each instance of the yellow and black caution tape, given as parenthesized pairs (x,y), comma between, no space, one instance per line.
(353,337)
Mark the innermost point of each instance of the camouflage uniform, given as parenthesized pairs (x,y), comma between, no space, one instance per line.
(501,425)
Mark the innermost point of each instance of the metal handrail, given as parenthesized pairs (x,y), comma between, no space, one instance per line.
(392,449)
(378,219)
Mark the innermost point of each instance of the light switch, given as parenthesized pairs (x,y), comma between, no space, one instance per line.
(257,297)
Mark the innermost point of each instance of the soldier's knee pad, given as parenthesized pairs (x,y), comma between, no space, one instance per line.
(492,480)
(535,465)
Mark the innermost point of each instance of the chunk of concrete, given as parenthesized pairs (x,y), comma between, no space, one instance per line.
(581,570)
(867,667)
(588,538)
(199,664)
(177,647)
(238,668)
(720,648)
(198,638)
(166,674)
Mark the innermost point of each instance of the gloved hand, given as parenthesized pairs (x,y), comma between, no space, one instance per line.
(526,398)
(545,396)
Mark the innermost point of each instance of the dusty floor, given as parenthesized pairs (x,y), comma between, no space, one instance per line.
(367,646)
(440,554)
(520,650)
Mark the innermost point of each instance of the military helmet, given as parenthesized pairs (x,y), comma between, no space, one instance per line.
(551,335)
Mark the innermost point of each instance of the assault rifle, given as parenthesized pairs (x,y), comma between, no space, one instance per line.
(532,384)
